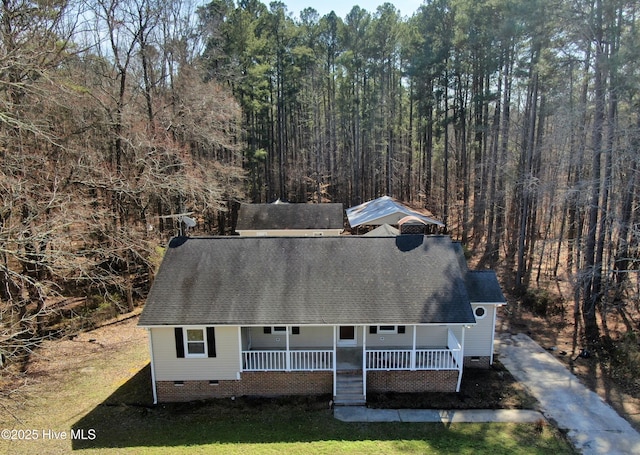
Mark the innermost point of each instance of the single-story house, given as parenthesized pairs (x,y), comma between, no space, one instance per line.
(345,315)
(285,219)
(387,210)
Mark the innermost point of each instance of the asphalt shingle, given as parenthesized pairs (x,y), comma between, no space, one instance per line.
(290,216)
(483,287)
(408,279)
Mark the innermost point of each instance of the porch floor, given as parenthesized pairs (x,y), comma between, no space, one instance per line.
(348,359)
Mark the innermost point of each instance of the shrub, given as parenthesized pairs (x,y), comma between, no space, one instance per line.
(541,303)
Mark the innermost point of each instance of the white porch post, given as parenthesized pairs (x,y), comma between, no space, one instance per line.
(413,350)
(240,345)
(287,360)
(364,360)
(335,359)
(461,360)
(493,332)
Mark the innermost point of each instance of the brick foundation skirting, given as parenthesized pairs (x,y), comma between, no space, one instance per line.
(412,381)
(275,383)
(279,383)
(477,362)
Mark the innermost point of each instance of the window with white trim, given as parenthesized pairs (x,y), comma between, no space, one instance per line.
(480,312)
(387,329)
(195,343)
(280,330)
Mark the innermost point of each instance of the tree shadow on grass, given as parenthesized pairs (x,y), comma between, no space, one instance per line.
(128,419)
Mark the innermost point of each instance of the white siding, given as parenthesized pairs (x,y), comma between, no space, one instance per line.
(312,337)
(168,367)
(390,340)
(478,338)
(431,336)
(322,337)
(309,337)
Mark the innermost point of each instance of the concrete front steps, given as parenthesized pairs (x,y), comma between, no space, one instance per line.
(349,389)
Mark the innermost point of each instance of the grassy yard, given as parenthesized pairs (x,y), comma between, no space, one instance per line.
(102,392)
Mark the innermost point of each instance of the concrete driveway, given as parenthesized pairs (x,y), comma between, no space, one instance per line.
(592,426)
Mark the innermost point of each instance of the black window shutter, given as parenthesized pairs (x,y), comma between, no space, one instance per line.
(373,329)
(179,342)
(266,329)
(211,342)
(401,329)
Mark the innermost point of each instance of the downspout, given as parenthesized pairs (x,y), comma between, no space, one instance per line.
(153,370)
(461,360)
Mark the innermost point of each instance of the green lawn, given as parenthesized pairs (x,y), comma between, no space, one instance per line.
(269,426)
(108,396)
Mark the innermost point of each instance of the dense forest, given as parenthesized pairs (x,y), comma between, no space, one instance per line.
(515,122)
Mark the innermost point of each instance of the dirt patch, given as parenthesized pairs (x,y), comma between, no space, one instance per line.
(491,388)
(55,361)
(57,357)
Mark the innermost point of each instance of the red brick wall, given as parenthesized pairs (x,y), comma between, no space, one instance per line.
(412,381)
(282,383)
(195,390)
(252,383)
(477,362)
(305,383)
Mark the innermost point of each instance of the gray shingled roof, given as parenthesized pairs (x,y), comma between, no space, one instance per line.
(295,280)
(483,287)
(290,216)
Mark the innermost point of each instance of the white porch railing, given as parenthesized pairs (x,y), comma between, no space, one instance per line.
(449,358)
(385,359)
(456,349)
(400,359)
(264,360)
(311,360)
(299,360)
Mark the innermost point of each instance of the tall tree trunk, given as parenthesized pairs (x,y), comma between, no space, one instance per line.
(526,174)
(592,270)
(501,197)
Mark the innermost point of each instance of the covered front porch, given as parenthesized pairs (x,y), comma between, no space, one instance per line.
(356,350)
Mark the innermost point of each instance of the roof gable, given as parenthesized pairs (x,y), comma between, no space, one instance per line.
(296,280)
(290,216)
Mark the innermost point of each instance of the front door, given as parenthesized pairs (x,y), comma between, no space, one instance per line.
(347,335)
